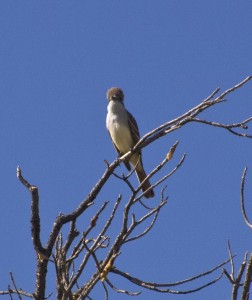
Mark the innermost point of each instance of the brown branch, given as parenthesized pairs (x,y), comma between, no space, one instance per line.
(35,219)
(42,253)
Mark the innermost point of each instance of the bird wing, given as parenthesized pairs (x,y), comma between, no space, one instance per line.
(134,133)
(133,128)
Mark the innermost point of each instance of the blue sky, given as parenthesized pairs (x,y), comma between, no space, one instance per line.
(58,58)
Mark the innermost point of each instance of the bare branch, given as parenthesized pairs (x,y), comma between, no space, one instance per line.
(135,223)
(163,178)
(228,127)
(168,157)
(185,118)
(248,278)
(14,284)
(237,86)
(242,198)
(160,287)
(139,281)
(237,281)
(122,291)
(231,261)
(14,291)
(90,245)
(80,246)
(146,230)
(73,233)
(94,246)
(21,178)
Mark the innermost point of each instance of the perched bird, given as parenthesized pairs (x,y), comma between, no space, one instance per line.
(124,133)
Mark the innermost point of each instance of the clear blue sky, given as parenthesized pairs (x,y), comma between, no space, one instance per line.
(58,58)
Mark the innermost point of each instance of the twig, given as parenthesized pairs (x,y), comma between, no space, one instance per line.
(73,233)
(145,231)
(122,291)
(135,223)
(79,247)
(236,282)
(175,124)
(228,126)
(157,287)
(163,178)
(231,261)
(10,294)
(242,198)
(139,281)
(14,284)
(21,178)
(10,291)
(103,231)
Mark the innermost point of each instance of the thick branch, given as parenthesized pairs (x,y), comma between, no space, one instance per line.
(247,282)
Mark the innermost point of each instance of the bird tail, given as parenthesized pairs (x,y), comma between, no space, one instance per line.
(146,185)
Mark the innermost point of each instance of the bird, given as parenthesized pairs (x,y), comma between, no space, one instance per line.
(124,133)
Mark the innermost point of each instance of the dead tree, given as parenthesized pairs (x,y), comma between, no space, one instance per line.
(70,254)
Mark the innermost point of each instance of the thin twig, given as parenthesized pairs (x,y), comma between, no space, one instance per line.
(164,177)
(103,231)
(156,287)
(231,261)
(10,291)
(135,223)
(14,284)
(140,282)
(242,198)
(228,127)
(145,231)
(122,291)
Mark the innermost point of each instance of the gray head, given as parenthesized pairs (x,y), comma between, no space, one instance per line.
(115,94)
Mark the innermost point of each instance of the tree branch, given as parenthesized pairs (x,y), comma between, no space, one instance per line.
(242,198)
(247,282)
(63,265)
